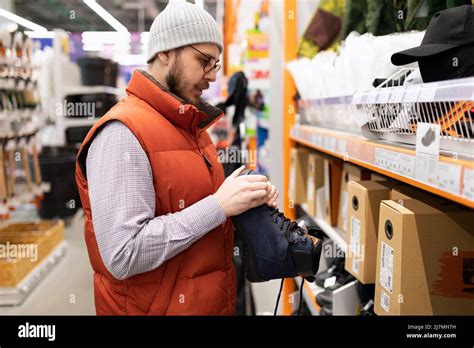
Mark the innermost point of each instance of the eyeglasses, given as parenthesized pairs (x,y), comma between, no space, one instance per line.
(210,63)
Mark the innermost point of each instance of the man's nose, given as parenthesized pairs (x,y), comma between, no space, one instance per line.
(211,75)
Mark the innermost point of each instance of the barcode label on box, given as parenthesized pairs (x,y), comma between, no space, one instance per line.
(354,244)
(386,269)
(355,266)
(385,301)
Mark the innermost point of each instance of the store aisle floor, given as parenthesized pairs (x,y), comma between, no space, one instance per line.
(63,292)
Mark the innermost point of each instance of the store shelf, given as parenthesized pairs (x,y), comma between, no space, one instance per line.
(16,295)
(336,235)
(456,175)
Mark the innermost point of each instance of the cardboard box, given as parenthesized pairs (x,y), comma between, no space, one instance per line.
(425,259)
(349,173)
(298,175)
(315,181)
(329,196)
(363,219)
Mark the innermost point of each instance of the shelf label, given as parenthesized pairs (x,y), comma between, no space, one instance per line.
(331,144)
(407,165)
(449,177)
(396,162)
(342,146)
(468,184)
(427,152)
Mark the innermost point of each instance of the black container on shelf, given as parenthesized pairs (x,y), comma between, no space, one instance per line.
(89,105)
(96,71)
(58,166)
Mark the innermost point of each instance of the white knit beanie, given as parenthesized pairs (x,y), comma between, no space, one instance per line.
(181,24)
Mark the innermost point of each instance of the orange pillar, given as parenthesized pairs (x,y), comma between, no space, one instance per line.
(289,112)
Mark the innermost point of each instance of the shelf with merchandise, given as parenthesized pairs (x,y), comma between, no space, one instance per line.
(455,177)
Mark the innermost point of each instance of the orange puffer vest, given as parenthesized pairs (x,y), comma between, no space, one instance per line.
(183,159)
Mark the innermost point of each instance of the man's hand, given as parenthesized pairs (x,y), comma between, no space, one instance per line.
(240,193)
(273,196)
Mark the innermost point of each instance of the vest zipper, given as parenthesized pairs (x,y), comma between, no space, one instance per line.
(206,160)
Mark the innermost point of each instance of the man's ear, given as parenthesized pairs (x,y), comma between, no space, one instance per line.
(164,57)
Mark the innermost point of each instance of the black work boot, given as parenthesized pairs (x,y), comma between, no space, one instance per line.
(274,246)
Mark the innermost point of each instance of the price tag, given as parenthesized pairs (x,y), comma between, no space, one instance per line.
(449,177)
(407,165)
(427,152)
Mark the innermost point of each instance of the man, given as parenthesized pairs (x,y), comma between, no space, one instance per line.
(156,205)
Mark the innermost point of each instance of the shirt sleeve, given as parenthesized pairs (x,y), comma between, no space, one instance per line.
(130,238)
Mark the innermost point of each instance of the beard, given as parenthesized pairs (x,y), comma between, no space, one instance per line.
(174,81)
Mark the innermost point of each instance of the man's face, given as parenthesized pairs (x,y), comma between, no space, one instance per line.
(186,77)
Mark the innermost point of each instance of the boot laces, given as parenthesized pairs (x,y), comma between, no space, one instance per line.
(291,227)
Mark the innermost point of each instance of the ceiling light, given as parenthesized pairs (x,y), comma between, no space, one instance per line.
(22,21)
(106,16)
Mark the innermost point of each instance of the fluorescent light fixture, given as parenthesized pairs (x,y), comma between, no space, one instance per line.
(107,37)
(106,16)
(40,35)
(22,21)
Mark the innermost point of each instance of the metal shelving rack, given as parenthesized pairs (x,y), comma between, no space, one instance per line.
(380,132)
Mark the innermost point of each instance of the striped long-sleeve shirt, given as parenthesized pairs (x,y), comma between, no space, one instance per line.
(130,238)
